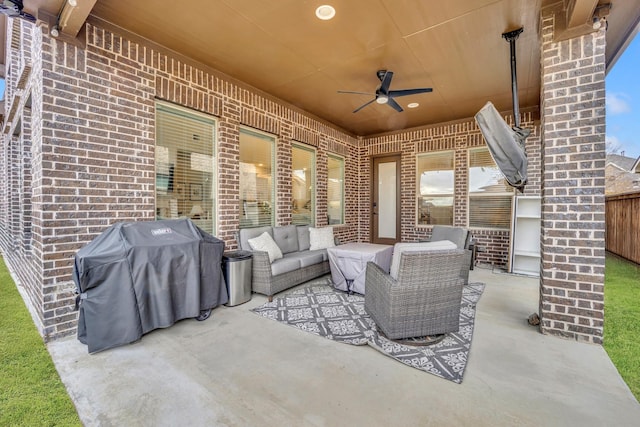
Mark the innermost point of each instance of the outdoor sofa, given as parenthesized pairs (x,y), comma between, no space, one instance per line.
(301,255)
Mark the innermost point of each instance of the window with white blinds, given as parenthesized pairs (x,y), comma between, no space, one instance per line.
(185,166)
(256,178)
(303,171)
(335,190)
(435,188)
(490,197)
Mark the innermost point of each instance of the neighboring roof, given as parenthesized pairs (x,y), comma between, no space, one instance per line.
(623,162)
(636,166)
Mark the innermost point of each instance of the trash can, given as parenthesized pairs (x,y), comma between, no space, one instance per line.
(236,267)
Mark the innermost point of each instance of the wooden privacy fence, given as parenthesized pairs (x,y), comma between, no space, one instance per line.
(622,216)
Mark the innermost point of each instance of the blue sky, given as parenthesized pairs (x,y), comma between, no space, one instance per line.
(623,101)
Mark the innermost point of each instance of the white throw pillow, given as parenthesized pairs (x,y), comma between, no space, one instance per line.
(321,238)
(265,242)
(400,248)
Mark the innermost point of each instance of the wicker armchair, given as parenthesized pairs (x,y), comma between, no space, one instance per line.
(425,298)
(461,237)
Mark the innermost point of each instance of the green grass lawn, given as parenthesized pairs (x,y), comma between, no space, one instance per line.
(31,393)
(622,319)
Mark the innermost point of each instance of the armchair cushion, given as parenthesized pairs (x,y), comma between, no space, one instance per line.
(265,242)
(458,235)
(400,248)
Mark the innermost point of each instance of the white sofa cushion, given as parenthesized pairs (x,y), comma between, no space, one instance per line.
(400,248)
(321,238)
(265,242)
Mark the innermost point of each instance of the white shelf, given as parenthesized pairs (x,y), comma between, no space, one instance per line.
(525,236)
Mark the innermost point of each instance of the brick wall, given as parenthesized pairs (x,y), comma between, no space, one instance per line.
(459,137)
(92,141)
(573,135)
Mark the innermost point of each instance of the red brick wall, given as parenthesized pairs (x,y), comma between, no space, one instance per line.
(573,183)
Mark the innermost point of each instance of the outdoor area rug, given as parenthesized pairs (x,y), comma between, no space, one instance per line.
(320,309)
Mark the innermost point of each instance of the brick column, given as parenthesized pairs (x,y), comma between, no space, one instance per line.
(573,151)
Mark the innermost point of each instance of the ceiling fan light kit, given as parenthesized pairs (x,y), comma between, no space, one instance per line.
(325,12)
(385,96)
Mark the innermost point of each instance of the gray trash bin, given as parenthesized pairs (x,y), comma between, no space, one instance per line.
(237,273)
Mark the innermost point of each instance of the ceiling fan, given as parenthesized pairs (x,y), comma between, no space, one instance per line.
(385,96)
(13,9)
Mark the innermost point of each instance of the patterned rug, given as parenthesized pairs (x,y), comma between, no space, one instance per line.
(320,309)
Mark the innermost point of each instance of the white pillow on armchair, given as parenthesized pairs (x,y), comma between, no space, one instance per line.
(400,248)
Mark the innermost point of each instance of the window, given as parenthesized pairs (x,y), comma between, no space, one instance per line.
(490,196)
(256,178)
(185,166)
(303,167)
(435,188)
(335,190)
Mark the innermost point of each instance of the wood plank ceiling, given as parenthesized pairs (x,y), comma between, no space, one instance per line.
(281,48)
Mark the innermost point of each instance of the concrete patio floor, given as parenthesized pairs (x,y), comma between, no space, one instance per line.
(239,369)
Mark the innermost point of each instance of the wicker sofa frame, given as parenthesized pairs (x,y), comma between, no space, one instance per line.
(424,300)
(263,281)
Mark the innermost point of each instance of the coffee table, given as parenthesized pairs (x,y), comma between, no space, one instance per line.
(348,263)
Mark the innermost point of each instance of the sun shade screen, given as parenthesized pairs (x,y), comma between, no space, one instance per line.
(505,144)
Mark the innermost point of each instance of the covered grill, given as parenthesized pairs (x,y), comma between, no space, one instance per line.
(136,277)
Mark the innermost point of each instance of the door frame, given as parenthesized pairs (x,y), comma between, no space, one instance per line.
(373,224)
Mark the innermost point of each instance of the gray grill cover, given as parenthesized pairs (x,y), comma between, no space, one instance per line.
(136,277)
(506,145)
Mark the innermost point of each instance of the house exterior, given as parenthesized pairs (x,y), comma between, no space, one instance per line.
(622,174)
(80,152)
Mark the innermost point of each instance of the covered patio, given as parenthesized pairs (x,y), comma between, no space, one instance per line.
(86,86)
(239,369)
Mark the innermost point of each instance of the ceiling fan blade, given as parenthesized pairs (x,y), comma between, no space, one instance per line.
(405,92)
(393,104)
(386,81)
(358,93)
(363,105)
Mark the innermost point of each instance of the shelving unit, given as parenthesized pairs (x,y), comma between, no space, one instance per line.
(525,240)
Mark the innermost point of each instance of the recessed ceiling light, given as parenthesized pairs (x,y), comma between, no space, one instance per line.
(325,12)
(413,105)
